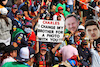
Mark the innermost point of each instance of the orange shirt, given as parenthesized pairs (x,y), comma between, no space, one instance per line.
(83,6)
(1,7)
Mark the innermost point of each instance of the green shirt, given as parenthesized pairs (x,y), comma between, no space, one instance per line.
(62,5)
(14,64)
(66,13)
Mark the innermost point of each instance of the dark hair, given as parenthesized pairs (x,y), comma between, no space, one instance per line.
(72,15)
(5,18)
(99,3)
(90,23)
(48,59)
(5,55)
(2,46)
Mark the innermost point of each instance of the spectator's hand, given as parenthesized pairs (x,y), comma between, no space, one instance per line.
(35,13)
(74,7)
(63,38)
(47,2)
(91,41)
(29,42)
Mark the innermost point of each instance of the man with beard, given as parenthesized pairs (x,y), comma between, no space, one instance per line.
(17,20)
(71,23)
(92,29)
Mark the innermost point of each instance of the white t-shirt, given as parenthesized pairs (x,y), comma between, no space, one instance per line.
(8,59)
(70,2)
(55,17)
(97,10)
(95,58)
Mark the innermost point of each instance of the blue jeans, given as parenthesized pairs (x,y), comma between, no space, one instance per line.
(71,8)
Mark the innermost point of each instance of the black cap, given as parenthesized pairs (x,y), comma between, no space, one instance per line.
(2,47)
(10,48)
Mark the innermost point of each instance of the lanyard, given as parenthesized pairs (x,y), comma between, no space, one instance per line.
(19,22)
(26,64)
(43,59)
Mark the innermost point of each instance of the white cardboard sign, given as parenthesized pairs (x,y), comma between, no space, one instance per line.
(50,31)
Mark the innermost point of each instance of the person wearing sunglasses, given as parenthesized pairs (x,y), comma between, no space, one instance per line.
(17,20)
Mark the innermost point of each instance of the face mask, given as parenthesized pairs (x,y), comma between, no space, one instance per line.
(27,30)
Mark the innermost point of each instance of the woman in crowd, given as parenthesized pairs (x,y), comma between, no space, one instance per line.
(9,55)
(5,27)
(43,58)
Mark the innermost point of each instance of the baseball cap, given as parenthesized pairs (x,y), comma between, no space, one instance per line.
(84,42)
(10,48)
(25,54)
(81,27)
(14,6)
(60,8)
(4,11)
(28,24)
(43,47)
(19,12)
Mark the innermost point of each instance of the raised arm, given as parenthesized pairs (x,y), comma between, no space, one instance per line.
(37,47)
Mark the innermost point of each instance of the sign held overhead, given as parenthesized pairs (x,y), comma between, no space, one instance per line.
(50,31)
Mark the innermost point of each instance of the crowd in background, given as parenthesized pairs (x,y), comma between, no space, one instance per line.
(80,46)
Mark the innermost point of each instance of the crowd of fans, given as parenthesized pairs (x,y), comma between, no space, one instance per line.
(80,46)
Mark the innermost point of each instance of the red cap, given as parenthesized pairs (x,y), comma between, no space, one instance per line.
(60,8)
(43,47)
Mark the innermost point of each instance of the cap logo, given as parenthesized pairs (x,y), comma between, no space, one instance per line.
(31,55)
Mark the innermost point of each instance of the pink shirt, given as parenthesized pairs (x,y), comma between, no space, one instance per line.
(67,52)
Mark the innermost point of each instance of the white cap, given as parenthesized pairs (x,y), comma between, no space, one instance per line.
(81,27)
(25,54)
(4,11)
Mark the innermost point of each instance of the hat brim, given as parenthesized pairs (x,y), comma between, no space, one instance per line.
(84,44)
(21,59)
(60,9)
(43,48)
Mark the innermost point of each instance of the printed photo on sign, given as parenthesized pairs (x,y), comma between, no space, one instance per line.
(71,23)
(92,29)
